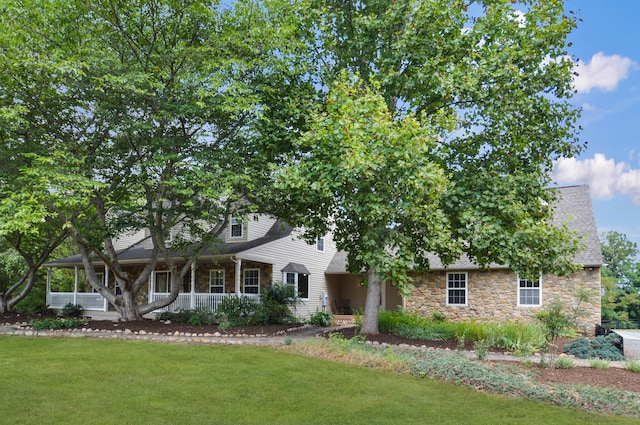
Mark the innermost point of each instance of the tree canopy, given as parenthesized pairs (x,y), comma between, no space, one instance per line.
(488,83)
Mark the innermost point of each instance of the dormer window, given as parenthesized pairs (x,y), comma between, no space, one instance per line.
(235,230)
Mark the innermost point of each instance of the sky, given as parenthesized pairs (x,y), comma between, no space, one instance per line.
(606,53)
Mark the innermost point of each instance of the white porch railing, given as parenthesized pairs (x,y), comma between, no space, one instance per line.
(186,301)
(88,300)
(193,301)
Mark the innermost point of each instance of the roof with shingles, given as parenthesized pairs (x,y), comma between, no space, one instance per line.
(139,253)
(574,208)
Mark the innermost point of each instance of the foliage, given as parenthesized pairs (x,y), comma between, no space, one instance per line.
(520,338)
(236,311)
(620,279)
(203,316)
(72,310)
(321,318)
(34,303)
(600,347)
(563,363)
(598,364)
(556,323)
(275,308)
(181,316)
(437,134)
(481,347)
(138,115)
(632,365)
(51,323)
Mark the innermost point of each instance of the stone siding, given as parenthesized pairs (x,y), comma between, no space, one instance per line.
(493,296)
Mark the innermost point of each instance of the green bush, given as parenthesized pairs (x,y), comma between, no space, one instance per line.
(632,365)
(34,303)
(237,311)
(563,363)
(601,347)
(50,323)
(180,316)
(202,316)
(72,310)
(321,318)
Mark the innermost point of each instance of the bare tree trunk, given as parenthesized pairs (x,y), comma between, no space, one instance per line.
(129,308)
(372,304)
(3,304)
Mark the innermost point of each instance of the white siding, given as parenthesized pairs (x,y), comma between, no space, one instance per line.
(292,249)
(128,240)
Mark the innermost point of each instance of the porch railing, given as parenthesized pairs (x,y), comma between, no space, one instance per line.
(186,301)
(193,301)
(88,300)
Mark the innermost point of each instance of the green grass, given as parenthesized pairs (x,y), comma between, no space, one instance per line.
(86,381)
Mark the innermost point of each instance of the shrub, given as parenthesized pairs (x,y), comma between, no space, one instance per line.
(34,303)
(275,309)
(202,316)
(602,347)
(632,365)
(50,323)
(72,310)
(237,311)
(563,363)
(481,348)
(180,316)
(598,363)
(321,318)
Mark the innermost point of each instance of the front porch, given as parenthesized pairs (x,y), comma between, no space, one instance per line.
(186,301)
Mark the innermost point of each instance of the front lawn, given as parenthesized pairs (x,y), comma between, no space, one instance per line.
(87,381)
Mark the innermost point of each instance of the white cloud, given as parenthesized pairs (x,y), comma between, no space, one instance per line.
(605,177)
(602,71)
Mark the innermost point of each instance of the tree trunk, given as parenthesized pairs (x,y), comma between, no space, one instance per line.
(129,309)
(3,304)
(372,304)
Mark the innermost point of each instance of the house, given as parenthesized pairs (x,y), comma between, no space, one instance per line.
(257,253)
(463,291)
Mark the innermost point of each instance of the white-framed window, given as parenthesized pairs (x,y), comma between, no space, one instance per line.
(300,282)
(529,292)
(251,281)
(320,244)
(216,281)
(457,288)
(161,281)
(236,228)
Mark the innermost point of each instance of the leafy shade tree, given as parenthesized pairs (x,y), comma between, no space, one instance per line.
(488,85)
(620,277)
(370,179)
(147,108)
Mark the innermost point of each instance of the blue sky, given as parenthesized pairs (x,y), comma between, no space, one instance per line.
(606,52)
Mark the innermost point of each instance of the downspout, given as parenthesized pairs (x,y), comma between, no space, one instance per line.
(238,262)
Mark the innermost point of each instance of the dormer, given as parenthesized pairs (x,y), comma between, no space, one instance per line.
(248,229)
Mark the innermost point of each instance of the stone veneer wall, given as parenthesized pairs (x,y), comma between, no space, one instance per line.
(492,296)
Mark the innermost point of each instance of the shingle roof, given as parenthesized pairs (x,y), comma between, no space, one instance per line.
(574,207)
(137,253)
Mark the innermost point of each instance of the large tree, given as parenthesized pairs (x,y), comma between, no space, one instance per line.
(491,86)
(620,277)
(150,103)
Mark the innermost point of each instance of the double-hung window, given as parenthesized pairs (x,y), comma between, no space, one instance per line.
(162,281)
(300,282)
(457,289)
(235,230)
(216,281)
(251,281)
(529,292)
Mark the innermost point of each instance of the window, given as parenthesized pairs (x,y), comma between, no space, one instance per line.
(529,292)
(162,281)
(216,281)
(320,244)
(456,289)
(251,281)
(300,282)
(236,228)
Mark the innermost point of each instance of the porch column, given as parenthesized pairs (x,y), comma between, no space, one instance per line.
(193,287)
(48,294)
(105,303)
(75,285)
(238,271)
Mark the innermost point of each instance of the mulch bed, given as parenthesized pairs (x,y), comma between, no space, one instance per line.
(616,378)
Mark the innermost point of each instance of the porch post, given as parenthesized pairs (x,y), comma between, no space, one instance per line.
(47,299)
(238,271)
(193,287)
(75,286)
(105,303)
